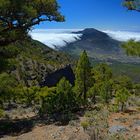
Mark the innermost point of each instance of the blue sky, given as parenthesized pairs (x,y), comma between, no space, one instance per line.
(100,14)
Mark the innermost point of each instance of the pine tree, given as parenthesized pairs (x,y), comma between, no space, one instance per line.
(17,17)
(93,92)
(132,5)
(65,97)
(57,99)
(121,97)
(105,91)
(102,75)
(7,85)
(132,47)
(83,76)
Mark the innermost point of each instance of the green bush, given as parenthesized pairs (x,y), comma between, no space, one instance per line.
(121,97)
(1,113)
(7,86)
(58,99)
(113,108)
(85,124)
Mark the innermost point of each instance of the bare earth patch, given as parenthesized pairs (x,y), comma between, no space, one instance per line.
(74,131)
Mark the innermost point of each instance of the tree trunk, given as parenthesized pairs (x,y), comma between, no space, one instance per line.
(122,107)
(85,88)
(94,99)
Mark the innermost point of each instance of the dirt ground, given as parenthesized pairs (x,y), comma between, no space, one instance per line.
(52,132)
(130,121)
(74,131)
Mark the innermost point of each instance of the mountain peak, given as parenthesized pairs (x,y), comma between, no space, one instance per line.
(92,33)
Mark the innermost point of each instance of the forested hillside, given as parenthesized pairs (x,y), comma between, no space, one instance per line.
(31,61)
(51,95)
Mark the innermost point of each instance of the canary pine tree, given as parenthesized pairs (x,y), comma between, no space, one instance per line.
(132,4)
(17,17)
(83,79)
(132,47)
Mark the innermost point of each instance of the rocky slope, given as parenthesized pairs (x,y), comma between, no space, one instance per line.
(34,61)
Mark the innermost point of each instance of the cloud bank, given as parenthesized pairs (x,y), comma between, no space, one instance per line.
(123,35)
(56,38)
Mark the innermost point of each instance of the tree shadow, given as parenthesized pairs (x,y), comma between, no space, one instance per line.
(64,119)
(15,127)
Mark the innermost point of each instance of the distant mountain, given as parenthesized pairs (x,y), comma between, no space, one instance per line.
(99,45)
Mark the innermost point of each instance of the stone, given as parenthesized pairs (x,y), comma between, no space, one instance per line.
(61,129)
(118,129)
(137,123)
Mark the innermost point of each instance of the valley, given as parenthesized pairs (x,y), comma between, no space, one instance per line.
(70,73)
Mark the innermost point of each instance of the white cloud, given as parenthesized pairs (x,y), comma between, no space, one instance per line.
(55,37)
(123,35)
(59,37)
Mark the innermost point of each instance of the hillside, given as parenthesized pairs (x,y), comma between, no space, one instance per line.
(99,46)
(57,112)
(33,61)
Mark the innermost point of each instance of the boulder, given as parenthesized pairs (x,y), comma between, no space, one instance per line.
(117,129)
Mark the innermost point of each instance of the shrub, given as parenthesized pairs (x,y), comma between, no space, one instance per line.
(121,97)
(85,124)
(58,99)
(1,113)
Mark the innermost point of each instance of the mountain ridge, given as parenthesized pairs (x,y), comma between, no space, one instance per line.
(100,46)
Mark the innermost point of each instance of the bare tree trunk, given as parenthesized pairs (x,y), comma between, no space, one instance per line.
(122,107)
(85,88)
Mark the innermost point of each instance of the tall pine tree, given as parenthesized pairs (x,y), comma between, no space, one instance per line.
(83,76)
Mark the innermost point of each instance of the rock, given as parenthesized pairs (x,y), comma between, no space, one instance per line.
(137,123)
(122,120)
(55,136)
(58,133)
(61,129)
(118,129)
(53,78)
(137,128)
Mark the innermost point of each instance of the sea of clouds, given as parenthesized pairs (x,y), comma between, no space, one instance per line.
(123,35)
(56,38)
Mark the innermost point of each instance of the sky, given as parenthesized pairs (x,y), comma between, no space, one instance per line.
(99,14)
